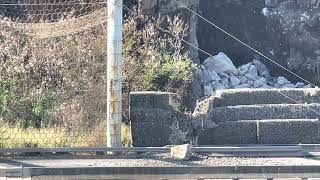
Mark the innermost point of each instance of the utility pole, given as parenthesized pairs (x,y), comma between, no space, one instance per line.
(114,73)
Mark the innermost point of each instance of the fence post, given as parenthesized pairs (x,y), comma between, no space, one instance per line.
(114,73)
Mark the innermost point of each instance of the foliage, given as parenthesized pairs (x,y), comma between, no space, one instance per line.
(56,85)
(155,60)
(41,78)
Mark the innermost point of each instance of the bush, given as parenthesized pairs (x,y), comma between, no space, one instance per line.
(155,60)
(59,82)
(39,76)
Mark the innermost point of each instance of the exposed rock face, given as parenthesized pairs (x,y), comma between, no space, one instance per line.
(285,30)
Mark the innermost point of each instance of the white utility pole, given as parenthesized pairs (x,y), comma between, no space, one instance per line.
(114,73)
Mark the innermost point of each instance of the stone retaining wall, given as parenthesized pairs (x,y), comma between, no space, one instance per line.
(157,120)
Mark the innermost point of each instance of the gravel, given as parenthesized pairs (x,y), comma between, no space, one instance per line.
(164,161)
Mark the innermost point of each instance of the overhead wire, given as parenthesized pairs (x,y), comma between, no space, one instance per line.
(183,40)
(243,43)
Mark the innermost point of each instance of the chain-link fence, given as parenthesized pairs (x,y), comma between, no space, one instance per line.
(52,73)
(53,69)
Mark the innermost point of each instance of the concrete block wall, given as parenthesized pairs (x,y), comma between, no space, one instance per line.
(289,131)
(156,119)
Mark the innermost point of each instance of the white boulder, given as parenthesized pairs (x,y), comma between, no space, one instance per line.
(219,63)
(219,73)
(243,79)
(244,68)
(219,86)
(234,81)
(283,81)
(299,85)
(289,86)
(207,90)
(252,73)
(260,82)
(181,152)
(262,69)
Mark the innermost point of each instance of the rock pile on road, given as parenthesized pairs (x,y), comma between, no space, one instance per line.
(218,73)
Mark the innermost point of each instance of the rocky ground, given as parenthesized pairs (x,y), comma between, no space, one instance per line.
(219,73)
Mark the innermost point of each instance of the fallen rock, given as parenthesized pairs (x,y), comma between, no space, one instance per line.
(283,81)
(266,87)
(243,79)
(288,86)
(225,83)
(213,83)
(220,73)
(260,82)
(244,68)
(213,76)
(181,152)
(219,86)
(252,73)
(207,90)
(250,83)
(219,63)
(277,85)
(234,81)
(299,85)
(224,75)
(236,73)
(261,68)
(205,75)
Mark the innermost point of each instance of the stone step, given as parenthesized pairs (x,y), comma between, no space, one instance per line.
(264,96)
(266,111)
(275,131)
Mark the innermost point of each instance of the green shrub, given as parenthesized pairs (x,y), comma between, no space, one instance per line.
(168,76)
(155,60)
(25,107)
(61,80)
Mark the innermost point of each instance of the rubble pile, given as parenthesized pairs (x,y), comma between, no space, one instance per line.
(218,73)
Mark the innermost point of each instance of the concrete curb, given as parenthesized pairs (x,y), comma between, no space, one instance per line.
(253,172)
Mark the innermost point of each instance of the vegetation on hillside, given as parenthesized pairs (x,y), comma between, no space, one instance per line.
(56,85)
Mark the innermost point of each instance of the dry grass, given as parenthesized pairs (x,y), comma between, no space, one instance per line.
(14,137)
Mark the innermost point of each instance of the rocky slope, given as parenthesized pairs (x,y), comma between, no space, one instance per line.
(219,73)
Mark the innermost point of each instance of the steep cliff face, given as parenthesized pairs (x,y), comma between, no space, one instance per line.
(286,30)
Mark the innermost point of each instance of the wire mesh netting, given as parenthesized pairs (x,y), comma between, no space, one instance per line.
(52,73)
